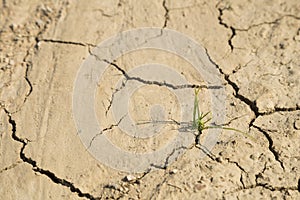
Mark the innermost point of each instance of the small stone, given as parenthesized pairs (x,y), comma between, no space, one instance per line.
(13,27)
(130,178)
(125,189)
(49,9)
(39,23)
(199,186)
(219,159)
(281,45)
(173,171)
(11,62)
(297,37)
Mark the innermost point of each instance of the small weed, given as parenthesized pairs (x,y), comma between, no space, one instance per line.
(199,121)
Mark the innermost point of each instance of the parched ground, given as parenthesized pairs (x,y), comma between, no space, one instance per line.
(255,47)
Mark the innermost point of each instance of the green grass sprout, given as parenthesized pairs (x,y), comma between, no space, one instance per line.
(199,121)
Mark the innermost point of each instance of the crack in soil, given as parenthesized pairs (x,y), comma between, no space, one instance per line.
(39,170)
(218,159)
(271,146)
(167,17)
(104,130)
(232,29)
(146,82)
(254,109)
(278,109)
(158,187)
(274,22)
(26,60)
(266,185)
(38,40)
(28,66)
(10,167)
(168,158)
(12,122)
(242,98)
(252,105)
(236,164)
(113,96)
(205,150)
(232,120)
(241,179)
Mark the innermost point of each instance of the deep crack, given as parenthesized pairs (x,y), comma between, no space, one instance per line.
(241,180)
(271,146)
(232,29)
(166,14)
(39,170)
(282,109)
(251,104)
(242,98)
(28,82)
(233,34)
(63,42)
(28,66)
(236,164)
(253,107)
(148,82)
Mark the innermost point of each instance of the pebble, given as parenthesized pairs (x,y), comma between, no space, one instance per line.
(219,159)
(11,62)
(130,178)
(39,23)
(199,186)
(13,27)
(173,171)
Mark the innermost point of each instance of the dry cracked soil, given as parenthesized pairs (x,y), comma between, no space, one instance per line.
(253,45)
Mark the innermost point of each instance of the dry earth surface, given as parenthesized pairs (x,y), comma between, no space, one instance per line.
(255,46)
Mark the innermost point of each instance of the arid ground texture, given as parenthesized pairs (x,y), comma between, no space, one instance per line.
(253,45)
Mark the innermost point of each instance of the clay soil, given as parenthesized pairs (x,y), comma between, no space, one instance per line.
(255,47)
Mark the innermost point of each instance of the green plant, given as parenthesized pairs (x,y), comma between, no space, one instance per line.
(199,122)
